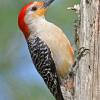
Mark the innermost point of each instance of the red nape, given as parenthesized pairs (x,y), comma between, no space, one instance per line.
(21,23)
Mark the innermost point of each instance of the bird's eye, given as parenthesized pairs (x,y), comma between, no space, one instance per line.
(34,8)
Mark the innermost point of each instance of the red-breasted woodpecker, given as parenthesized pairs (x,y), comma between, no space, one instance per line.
(50,49)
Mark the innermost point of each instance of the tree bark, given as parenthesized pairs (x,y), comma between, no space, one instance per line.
(87,79)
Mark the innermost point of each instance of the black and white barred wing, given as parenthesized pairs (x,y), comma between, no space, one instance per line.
(42,59)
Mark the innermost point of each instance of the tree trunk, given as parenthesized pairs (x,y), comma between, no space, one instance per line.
(87,79)
(88,74)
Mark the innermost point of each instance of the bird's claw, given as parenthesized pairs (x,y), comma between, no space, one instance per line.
(82,52)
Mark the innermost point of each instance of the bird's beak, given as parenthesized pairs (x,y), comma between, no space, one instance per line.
(47,3)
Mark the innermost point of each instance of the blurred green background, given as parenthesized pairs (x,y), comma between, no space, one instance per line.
(18,78)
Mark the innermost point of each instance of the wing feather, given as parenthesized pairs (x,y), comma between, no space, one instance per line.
(44,63)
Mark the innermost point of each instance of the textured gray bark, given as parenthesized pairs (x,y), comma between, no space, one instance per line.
(87,79)
(88,74)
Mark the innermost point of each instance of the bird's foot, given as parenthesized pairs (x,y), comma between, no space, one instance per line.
(81,53)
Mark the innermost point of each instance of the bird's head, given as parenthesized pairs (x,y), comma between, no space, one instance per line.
(29,13)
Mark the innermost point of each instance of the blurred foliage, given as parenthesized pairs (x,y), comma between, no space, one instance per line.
(18,78)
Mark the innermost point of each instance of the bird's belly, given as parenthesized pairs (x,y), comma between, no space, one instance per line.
(61,51)
(63,61)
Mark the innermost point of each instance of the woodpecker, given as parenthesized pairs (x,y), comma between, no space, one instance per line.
(50,49)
